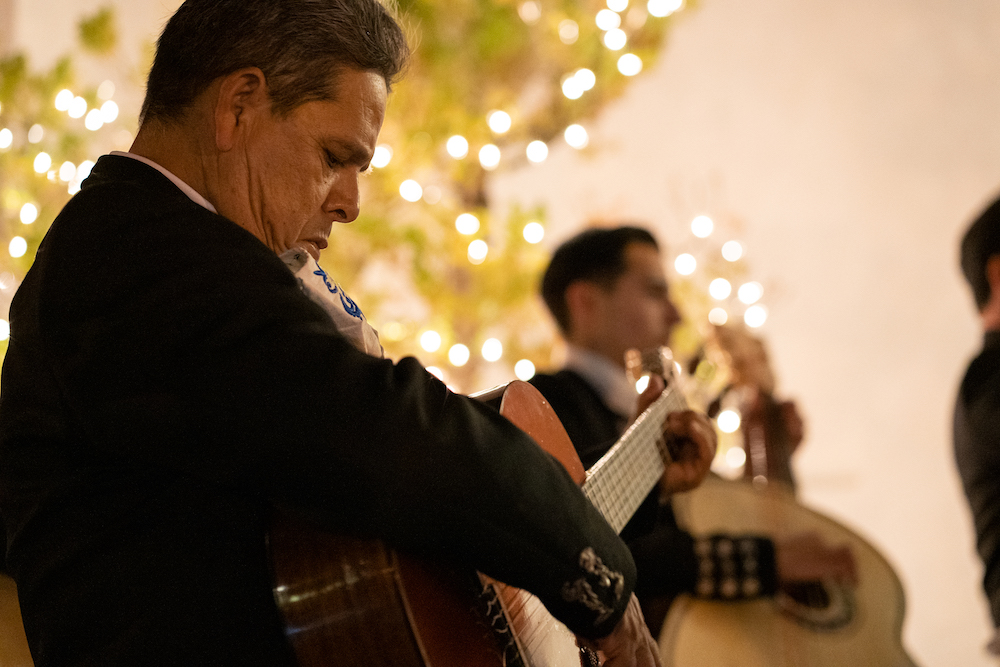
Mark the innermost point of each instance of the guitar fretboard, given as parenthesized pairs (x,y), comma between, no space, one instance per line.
(619,482)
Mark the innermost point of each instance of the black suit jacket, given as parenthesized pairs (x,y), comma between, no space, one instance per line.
(167,382)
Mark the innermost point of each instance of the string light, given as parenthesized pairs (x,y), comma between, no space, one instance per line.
(685,264)
(381,156)
(615,39)
(106,90)
(718,316)
(4,330)
(537,151)
(432,194)
(492,350)
(702,226)
(67,171)
(489,157)
(410,190)
(6,138)
(750,292)
(478,251)
(94,121)
(618,5)
(430,341)
(608,20)
(467,224)
(585,77)
(109,112)
(499,121)
(77,107)
(524,370)
(436,372)
(569,31)
(728,421)
(732,251)
(458,355)
(457,146)
(533,232)
(530,12)
(571,88)
(36,134)
(18,246)
(576,136)
(42,163)
(29,213)
(755,316)
(630,64)
(736,457)
(662,8)
(720,289)
(63,99)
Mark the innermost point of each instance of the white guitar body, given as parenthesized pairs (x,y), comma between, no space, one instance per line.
(857,627)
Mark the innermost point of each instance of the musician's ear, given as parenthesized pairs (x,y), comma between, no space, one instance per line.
(582,306)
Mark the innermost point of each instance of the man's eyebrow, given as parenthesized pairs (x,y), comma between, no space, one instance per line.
(349,151)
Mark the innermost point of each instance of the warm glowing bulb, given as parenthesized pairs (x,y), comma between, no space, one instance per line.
(382,156)
(630,64)
(458,355)
(615,39)
(685,264)
(4,329)
(530,12)
(524,370)
(492,350)
(736,457)
(77,107)
(537,151)
(617,5)
(18,246)
(661,8)
(457,146)
(533,232)
(702,226)
(718,316)
(436,372)
(29,213)
(572,88)
(430,341)
(732,251)
(6,138)
(35,134)
(94,121)
(109,112)
(489,157)
(42,163)
(569,31)
(750,292)
(467,224)
(755,316)
(576,136)
(585,77)
(720,288)
(608,20)
(728,421)
(83,171)
(106,90)
(67,172)
(499,121)
(477,251)
(63,99)
(410,190)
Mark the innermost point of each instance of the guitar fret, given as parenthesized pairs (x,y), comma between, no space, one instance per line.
(621,480)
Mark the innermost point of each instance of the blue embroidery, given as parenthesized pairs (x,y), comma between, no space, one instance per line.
(350,307)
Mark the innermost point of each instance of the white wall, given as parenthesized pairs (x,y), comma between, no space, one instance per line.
(855,140)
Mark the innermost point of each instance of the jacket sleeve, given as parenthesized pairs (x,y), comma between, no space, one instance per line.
(189,346)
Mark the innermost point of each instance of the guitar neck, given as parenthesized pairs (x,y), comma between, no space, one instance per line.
(620,481)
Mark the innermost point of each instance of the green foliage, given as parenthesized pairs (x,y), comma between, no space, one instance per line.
(99,34)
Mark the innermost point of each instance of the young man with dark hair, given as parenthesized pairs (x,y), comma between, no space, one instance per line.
(177,368)
(608,293)
(977,408)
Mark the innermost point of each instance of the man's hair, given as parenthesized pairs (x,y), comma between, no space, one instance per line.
(299,45)
(596,255)
(981,241)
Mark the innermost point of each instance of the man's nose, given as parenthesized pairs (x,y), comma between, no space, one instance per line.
(343,200)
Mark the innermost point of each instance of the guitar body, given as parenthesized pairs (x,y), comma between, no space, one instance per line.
(837,627)
(13,644)
(351,602)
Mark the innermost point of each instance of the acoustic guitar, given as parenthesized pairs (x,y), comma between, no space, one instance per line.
(353,603)
(812,624)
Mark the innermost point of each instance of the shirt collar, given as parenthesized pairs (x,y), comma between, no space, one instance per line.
(606,378)
(184,187)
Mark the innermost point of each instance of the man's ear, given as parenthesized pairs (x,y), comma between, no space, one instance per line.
(242,95)
(582,302)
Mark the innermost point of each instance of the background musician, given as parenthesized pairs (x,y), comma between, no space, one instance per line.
(608,293)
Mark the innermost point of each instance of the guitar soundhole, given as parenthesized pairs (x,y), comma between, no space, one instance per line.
(822,606)
(809,594)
